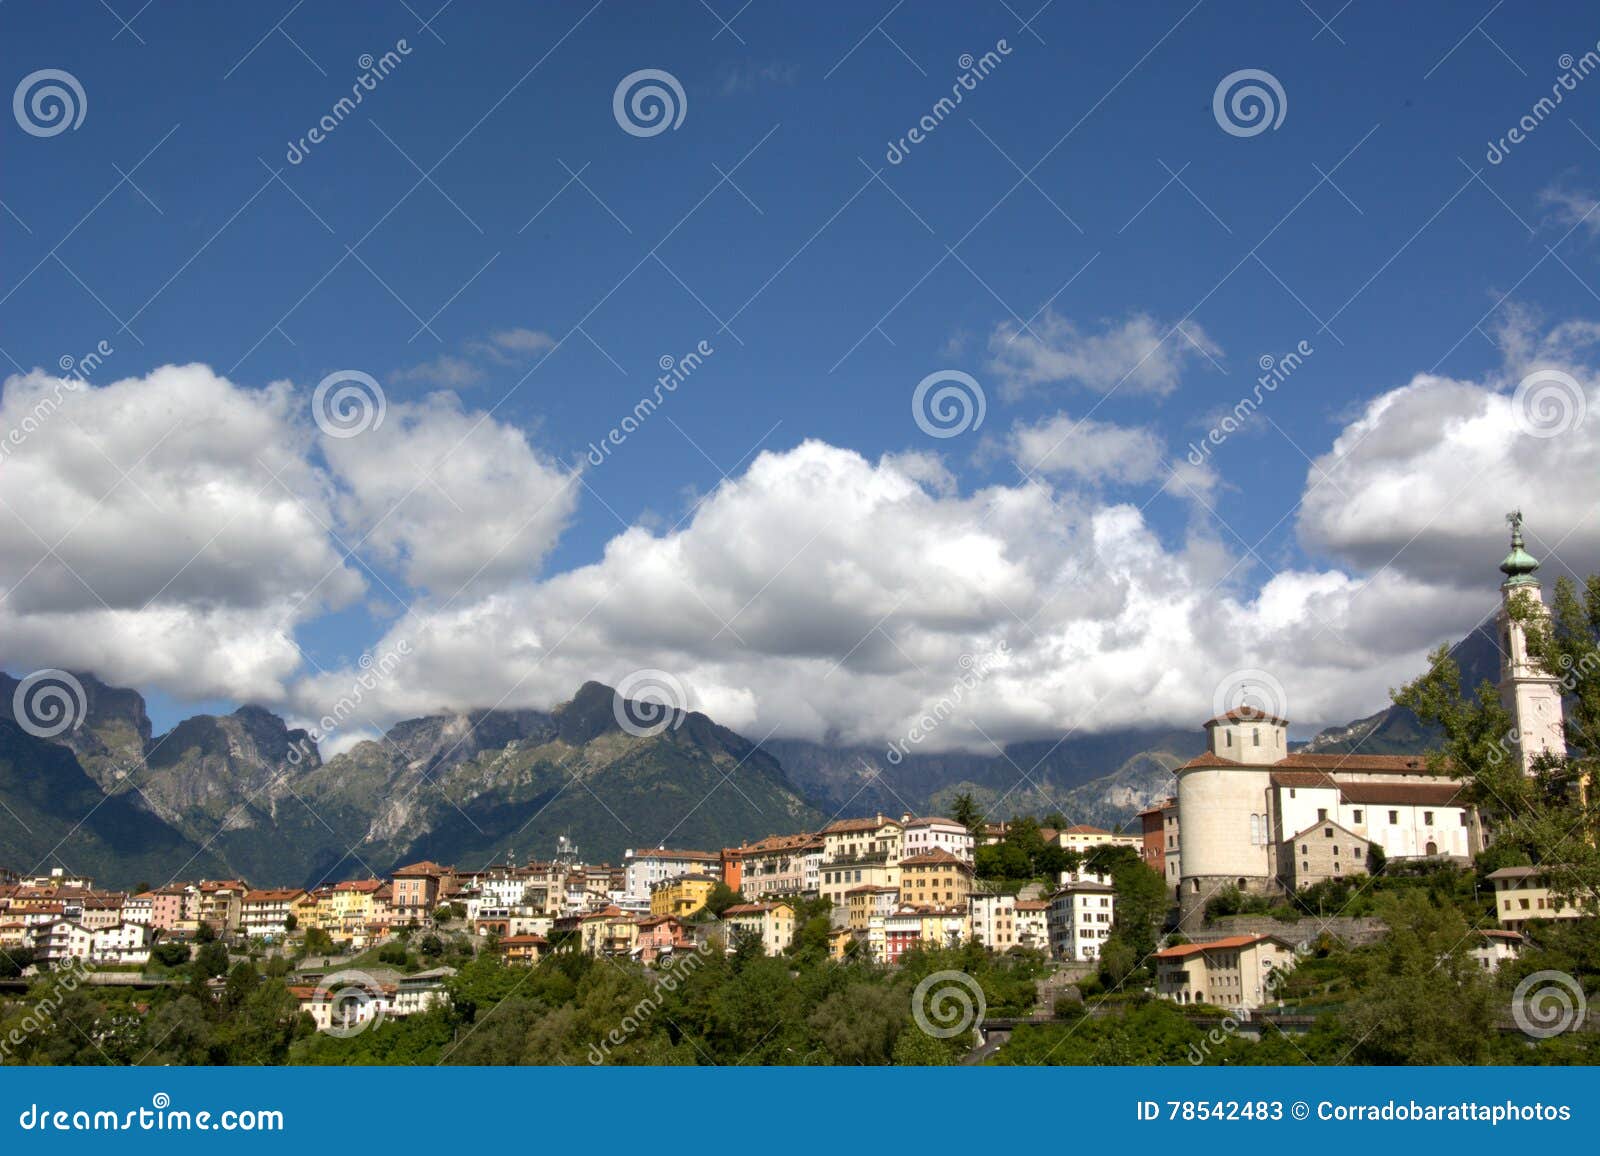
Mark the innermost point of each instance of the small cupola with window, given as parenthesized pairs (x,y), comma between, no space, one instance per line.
(1248,735)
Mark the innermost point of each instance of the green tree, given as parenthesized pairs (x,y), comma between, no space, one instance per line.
(1544,816)
(170,954)
(721,898)
(1423,998)
(860,1023)
(211,960)
(964,809)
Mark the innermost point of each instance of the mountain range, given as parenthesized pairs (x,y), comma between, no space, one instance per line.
(244,795)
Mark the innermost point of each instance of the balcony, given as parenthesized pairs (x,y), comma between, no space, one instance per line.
(864,859)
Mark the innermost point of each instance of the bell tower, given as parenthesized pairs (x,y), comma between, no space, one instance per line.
(1529,693)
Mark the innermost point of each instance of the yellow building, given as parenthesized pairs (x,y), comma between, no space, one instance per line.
(1240,971)
(352,905)
(868,900)
(935,877)
(943,926)
(839,941)
(772,924)
(682,896)
(1523,893)
(308,909)
(859,852)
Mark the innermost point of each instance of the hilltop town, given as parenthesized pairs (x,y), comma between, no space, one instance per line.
(1264,883)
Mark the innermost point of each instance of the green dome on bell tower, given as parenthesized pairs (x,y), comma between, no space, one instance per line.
(1519,565)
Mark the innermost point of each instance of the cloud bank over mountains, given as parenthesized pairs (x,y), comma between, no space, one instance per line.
(180,531)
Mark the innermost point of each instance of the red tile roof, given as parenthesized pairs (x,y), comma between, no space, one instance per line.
(754,908)
(1247,714)
(367,886)
(1231,941)
(1394,764)
(934,858)
(846,826)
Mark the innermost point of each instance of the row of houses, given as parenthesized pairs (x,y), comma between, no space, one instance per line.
(1244,972)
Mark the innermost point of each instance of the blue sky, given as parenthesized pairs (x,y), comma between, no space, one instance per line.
(1084,182)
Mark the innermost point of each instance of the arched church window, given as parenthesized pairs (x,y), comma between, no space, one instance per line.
(1256,734)
(1255,829)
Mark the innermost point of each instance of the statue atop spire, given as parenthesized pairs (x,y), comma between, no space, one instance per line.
(1519,565)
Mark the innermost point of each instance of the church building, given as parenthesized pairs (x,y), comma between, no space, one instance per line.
(1257,816)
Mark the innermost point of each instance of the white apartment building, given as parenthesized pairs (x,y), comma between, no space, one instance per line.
(643,869)
(934,833)
(994,920)
(1079,920)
